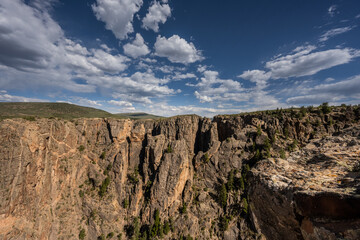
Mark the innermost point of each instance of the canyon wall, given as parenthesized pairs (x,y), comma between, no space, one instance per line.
(251,176)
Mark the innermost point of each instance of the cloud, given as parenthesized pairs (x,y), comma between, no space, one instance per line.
(157,13)
(306,62)
(334,32)
(179,76)
(329,92)
(257,76)
(177,50)
(202,98)
(107,62)
(140,87)
(332,10)
(124,105)
(164,109)
(117,15)
(85,102)
(120,103)
(212,88)
(46,60)
(20,46)
(137,48)
(5,97)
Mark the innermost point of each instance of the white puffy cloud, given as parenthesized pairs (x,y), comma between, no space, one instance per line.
(157,13)
(202,98)
(124,105)
(47,60)
(179,76)
(120,103)
(257,76)
(306,62)
(107,62)
(137,48)
(177,50)
(117,15)
(334,32)
(212,88)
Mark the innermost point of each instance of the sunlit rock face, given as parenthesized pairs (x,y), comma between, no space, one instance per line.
(270,175)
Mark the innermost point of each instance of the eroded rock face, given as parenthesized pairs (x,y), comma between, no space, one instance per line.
(313,194)
(107,176)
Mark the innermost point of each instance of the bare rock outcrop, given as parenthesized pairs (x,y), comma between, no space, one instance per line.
(267,175)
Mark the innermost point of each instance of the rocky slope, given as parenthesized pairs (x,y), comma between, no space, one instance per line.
(272,175)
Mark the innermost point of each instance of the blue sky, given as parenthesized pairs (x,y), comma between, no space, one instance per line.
(170,57)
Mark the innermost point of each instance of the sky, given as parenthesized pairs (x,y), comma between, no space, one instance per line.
(172,57)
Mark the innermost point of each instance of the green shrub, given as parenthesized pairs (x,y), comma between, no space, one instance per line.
(169,149)
(103,155)
(224,223)
(110,235)
(108,169)
(102,237)
(119,236)
(222,195)
(183,208)
(303,111)
(104,187)
(245,205)
(293,145)
(81,148)
(286,133)
(166,228)
(258,131)
(29,118)
(205,158)
(242,184)
(155,227)
(82,234)
(257,155)
(282,154)
(325,108)
(134,177)
(230,182)
(125,203)
(81,193)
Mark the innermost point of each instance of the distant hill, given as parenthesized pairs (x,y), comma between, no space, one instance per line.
(60,110)
(137,116)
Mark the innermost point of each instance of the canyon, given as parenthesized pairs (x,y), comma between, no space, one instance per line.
(282,174)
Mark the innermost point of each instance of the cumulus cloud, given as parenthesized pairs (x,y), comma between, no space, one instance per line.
(137,48)
(20,46)
(334,32)
(306,62)
(107,62)
(47,60)
(257,76)
(157,13)
(117,15)
(179,76)
(212,88)
(124,105)
(177,50)
(140,87)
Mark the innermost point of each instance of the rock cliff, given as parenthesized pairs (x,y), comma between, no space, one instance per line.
(272,175)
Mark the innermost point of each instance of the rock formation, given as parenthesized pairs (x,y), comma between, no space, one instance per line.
(271,175)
